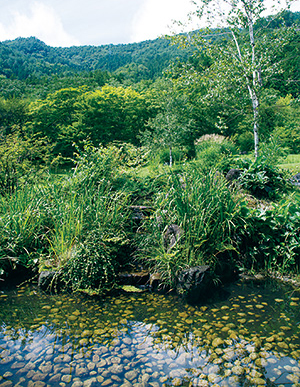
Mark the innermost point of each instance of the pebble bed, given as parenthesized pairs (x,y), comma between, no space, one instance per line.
(251,338)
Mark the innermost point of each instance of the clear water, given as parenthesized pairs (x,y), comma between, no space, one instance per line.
(252,338)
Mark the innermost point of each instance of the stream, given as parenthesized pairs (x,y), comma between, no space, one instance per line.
(249,338)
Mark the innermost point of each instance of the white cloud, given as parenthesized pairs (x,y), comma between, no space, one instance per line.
(40,21)
(156,17)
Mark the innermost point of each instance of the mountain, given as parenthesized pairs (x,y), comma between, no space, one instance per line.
(29,57)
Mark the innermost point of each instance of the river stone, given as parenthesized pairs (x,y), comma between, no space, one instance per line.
(49,282)
(7,383)
(55,378)
(101,363)
(18,365)
(145,378)
(36,384)
(100,379)
(172,235)
(116,369)
(182,359)
(116,378)
(91,366)
(106,382)
(81,371)
(7,360)
(130,375)
(96,358)
(127,354)
(46,368)
(77,383)
(233,174)
(29,366)
(116,360)
(38,376)
(90,382)
(66,378)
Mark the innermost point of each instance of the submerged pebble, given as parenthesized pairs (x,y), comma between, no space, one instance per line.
(150,340)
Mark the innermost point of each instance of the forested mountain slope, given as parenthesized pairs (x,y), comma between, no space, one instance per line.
(24,57)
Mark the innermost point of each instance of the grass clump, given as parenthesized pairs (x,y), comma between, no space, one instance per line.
(76,224)
(205,211)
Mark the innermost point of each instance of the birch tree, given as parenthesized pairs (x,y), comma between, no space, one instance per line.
(172,126)
(250,55)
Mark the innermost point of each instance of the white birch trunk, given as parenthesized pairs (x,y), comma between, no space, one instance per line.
(171,158)
(251,85)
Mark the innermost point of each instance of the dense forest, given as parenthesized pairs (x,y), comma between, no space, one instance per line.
(94,126)
(59,90)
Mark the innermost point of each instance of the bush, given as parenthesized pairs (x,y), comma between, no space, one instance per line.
(269,239)
(245,142)
(178,155)
(22,161)
(263,180)
(96,254)
(77,225)
(215,153)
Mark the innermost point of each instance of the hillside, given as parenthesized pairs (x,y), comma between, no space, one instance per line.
(25,57)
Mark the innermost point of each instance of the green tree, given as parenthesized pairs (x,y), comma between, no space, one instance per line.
(114,114)
(13,115)
(173,124)
(56,118)
(244,59)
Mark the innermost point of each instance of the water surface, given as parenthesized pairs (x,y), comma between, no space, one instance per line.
(252,338)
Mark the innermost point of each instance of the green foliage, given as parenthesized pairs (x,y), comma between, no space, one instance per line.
(269,238)
(172,125)
(29,59)
(215,152)
(114,114)
(97,254)
(23,228)
(263,180)
(73,115)
(206,213)
(22,160)
(65,222)
(178,155)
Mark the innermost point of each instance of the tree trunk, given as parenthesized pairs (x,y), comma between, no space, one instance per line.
(171,159)
(251,85)
(255,105)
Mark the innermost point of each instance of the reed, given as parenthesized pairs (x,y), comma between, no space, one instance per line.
(207,213)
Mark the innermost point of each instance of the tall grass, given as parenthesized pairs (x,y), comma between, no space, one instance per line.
(75,225)
(207,213)
(23,227)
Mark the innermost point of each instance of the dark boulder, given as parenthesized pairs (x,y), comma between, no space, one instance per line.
(134,278)
(195,283)
(295,180)
(233,175)
(172,235)
(49,281)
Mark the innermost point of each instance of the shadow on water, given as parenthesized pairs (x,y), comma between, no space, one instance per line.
(249,337)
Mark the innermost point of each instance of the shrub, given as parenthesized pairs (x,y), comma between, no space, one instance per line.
(178,155)
(215,152)
(263,180)
(96,254)
(269,239)
(22,161)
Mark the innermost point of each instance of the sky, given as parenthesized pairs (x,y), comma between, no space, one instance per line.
(65,23)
